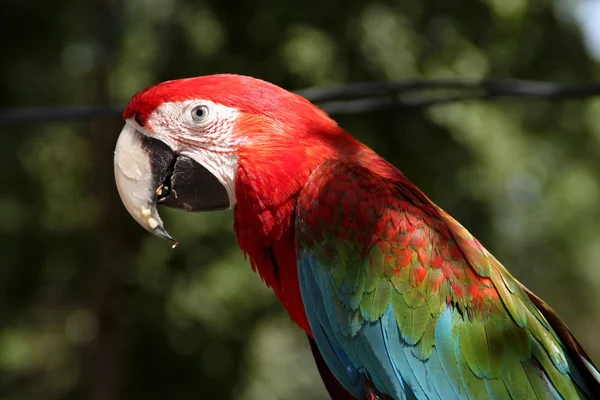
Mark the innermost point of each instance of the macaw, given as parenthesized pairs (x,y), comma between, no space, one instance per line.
(399,301)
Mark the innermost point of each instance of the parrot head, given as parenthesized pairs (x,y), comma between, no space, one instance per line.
(212,142)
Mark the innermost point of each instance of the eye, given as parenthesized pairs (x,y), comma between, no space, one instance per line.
(200,113)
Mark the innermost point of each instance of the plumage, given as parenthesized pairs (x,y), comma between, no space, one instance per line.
(398,300)
(416,302)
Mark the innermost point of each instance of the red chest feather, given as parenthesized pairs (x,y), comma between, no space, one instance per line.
(265,233)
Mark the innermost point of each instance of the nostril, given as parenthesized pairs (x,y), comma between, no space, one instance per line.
(138,119)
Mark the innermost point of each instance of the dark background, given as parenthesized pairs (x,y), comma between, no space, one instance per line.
(93,307)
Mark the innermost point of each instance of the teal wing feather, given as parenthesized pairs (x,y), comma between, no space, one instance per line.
(399,295)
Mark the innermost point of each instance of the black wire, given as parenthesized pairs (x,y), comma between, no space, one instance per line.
(45,114)
(360,97)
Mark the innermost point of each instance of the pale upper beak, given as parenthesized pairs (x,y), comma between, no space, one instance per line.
(137,177)
(148,172)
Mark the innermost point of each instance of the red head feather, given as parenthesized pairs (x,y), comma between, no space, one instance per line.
(247,94)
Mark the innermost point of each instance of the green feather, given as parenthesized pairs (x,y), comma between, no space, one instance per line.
(468,351)
(414,298)
(518,341)
(400,281)
(424,347)
(549,343)
(497,389)
(381,300)
(536,381)
(372,279)
(340,264)
(561,382)
(516,379)
(514,306)
(374,304)
(356,297)
(496,345)
(352,279)
(474,386)
(377,261)
(411,321)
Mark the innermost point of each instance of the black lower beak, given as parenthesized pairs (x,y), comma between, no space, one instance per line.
(191,187)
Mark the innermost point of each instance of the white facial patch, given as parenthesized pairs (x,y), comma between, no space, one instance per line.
(209,140)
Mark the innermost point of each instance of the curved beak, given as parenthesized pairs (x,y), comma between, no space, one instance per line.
(141,165)
(148,172)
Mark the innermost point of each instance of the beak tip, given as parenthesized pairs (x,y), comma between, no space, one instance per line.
(162,233)
(154,223)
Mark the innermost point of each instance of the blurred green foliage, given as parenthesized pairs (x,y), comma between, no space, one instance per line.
(93,307)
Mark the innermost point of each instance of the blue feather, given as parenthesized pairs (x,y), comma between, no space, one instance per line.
(337,361)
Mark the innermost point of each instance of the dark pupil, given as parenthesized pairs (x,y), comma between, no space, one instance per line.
(200,112)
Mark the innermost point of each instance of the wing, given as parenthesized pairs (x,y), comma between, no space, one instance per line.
(332,384)
(399,293)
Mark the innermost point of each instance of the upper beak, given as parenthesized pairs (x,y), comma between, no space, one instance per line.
(148,172)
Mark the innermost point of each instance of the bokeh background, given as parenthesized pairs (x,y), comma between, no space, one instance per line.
(93,307)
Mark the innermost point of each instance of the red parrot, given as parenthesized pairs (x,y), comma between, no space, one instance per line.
(398,300)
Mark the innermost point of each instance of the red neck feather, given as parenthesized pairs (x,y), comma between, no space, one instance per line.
(269,179)
(268,182)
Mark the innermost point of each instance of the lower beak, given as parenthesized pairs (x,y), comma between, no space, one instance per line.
(148,172)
